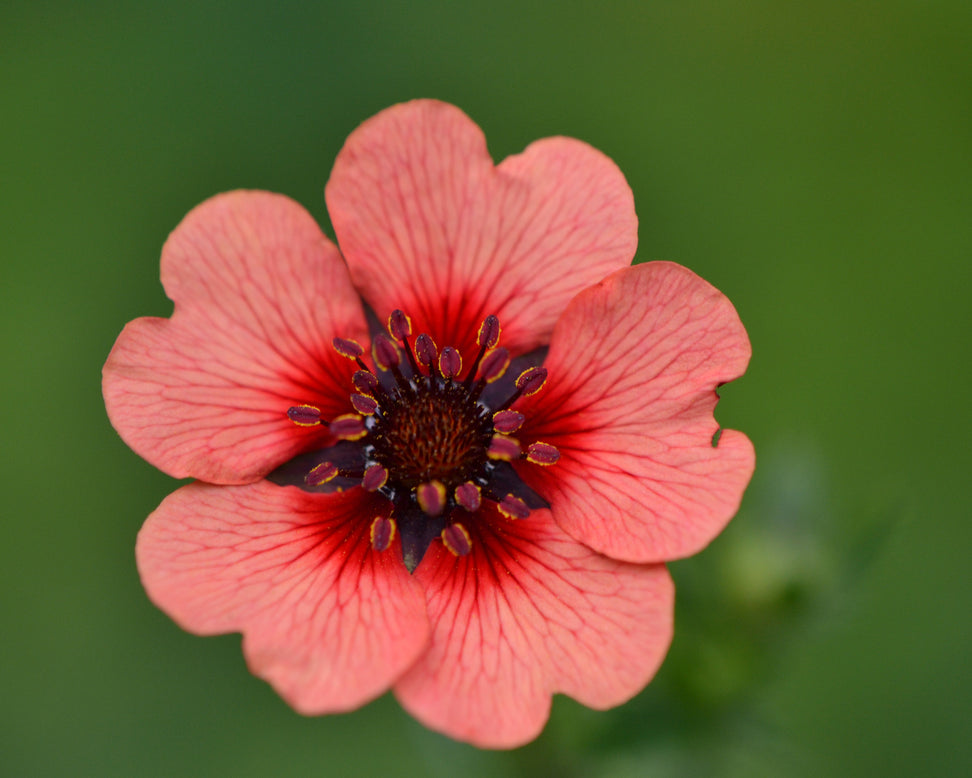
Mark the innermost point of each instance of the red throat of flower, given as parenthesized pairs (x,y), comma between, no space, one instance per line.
(421,434)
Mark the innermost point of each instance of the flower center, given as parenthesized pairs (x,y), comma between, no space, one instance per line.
(427,441)
(439,432)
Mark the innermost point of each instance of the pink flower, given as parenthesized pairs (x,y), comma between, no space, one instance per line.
(534,506)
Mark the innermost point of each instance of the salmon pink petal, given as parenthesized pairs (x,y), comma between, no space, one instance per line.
(428,224)
(329,622)
(259,293)
(529,613)
(634,364)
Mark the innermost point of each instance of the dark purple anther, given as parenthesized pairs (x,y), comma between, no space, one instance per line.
(468,496)
(542,454)
(399,325)
(385,353)
(374,478)
(508,421)
(364,382)
(425,350)
(494,365)
(513,507)
(457,540)
(489,333)
(531,380)
(364,404)
(347,348)
(348,427)
(504,448)
(304,415)
(321,474)
(431,497)
(450,363)
(382,533)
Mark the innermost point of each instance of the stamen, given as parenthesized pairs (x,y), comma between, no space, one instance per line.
(321,474)
(502,447)
(450,362)
(425,351)
(457,540)
(431,497)
(489,333)
(468,496)
(399,325)
(531,380)
(542,454)
(486,338)
(508,421)
(364,404)
(375,477)
(385,353)
(382,533)
(350,426)
(304,415)
(347,348)
(494,365)
(513,507)
(365,382)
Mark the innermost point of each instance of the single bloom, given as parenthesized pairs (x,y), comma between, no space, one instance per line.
(450,459)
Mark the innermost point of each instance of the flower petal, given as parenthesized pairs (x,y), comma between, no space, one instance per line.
(259,292)
(327,621)
(527,614)
(429,225)
(634,364)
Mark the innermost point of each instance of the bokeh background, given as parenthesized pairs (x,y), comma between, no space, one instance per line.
(812,160)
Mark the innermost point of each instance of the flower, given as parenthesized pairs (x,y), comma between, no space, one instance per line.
(441,509)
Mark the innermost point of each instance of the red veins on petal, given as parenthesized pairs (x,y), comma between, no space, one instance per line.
(327,620)
(429,225)
(529,613)
(258,292)
(637,360)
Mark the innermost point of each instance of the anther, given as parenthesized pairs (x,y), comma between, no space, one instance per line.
(321,474)
(531,380)
(431,497)
(489,333)
(457,540)
(350,426)
(513,507)
(502,447)
(468,496)
(304,415)
(450,362)
(508,421)
(542,454)
(385,353)
(347,348)
(494,365)
(425,350)
(399,325)
(375,477)
(382,533)
(365,382)
(364,404)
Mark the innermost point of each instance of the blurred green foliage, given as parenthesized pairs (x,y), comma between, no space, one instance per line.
(811,160)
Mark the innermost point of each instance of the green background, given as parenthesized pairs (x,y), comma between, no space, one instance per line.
(812,160)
